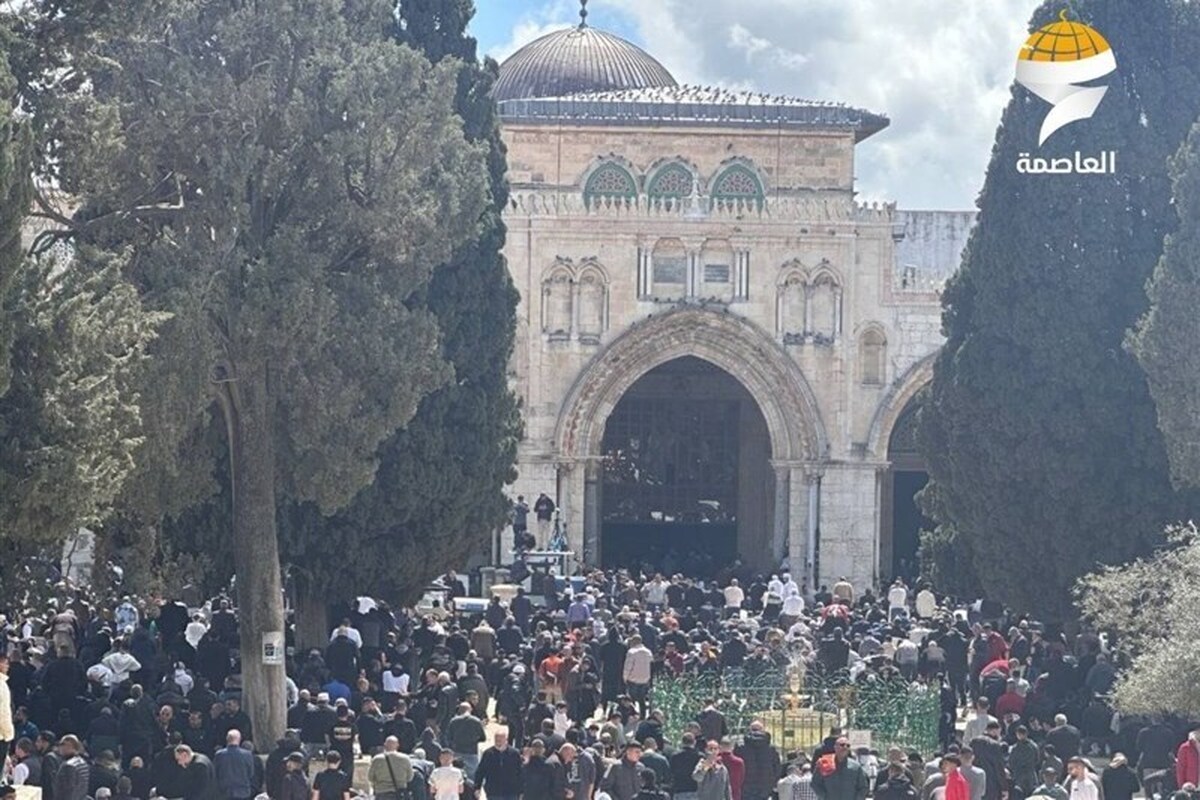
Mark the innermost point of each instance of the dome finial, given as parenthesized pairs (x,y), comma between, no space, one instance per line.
(583,13)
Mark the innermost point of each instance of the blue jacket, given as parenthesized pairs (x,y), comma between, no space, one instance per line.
(235,772)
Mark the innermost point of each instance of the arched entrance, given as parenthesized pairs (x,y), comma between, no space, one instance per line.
(687,479)
(893,436)
(901,514)
(739,352)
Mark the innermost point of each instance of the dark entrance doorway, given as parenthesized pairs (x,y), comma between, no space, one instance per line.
(687,481)
(902,514)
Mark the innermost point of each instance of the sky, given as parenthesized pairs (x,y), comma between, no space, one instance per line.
(941,71)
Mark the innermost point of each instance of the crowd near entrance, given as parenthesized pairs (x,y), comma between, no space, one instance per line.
(687,483)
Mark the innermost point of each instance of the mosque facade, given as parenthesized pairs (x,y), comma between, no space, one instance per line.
(718,347)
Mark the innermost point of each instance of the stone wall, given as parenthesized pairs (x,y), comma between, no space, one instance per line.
(559,156)
(815,238)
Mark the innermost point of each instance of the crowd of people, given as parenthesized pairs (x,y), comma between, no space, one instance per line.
(550,696)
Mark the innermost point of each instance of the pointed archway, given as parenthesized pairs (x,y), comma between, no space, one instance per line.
(738,348)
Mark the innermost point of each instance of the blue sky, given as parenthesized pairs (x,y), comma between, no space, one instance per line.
(495,20)
(943,78)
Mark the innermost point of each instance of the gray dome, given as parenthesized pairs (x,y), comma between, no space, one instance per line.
(580,59)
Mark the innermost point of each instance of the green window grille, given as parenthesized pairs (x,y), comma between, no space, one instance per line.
(608,181)
(673,180)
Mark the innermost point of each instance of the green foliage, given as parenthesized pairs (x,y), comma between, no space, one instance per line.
(73,338)
(438,493)
(1168,344)
(69,423)
(1152,607)
(1039,428)
(285,178)
(285,194)
(15,196)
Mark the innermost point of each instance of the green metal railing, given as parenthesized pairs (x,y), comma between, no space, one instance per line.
(799,708)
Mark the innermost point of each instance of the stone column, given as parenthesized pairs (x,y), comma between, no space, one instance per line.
(849,523)
(779,539)
(799,519)
(589,553)
(571,503)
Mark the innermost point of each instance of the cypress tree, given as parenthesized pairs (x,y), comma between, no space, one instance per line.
(1039,427)
(438,495)
(73,338)
(285,177)
(1168,343)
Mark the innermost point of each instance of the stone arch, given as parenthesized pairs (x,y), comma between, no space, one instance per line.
(735,345)
(670,178)
(791,304)
(592,286)
(739,182)
(610,177)
(872,354)
(558,300)
(893,404)
(824,304)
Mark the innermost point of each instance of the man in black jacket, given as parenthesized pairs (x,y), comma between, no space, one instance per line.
(683,765)
(500,771)
(990,756)
(543,778)
(73,776)
(403,728)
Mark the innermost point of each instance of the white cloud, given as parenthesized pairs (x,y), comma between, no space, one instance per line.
(547,17)
(941,71)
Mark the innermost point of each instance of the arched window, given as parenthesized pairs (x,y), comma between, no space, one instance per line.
(557,304)
(738,184)
(593,301)
(823,296)
(791,304)
(610,180)
(872,355)
(669,269)
(673,180)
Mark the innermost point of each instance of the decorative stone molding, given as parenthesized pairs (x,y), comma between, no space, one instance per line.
(812,209)
(726,340)
(892,405)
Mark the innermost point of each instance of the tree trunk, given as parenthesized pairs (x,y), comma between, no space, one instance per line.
(312,616)
(245,402)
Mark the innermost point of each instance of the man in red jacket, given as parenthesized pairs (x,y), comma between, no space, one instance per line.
(956,784)
(736,767)
(1187,760)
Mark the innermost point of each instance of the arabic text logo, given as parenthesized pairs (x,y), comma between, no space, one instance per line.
(1055,60)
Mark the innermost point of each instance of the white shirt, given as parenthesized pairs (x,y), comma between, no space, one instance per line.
(446,782)
(121,665)
(790,587)
(395,684)
(906,652)
(734,597)
(562,723)
(926,604)
(184,681)
(898,597)
(350,633)
(1084,789)
(656,593)
(775,585)
(195,632)
(793,606)
(977,726)
(20,774)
